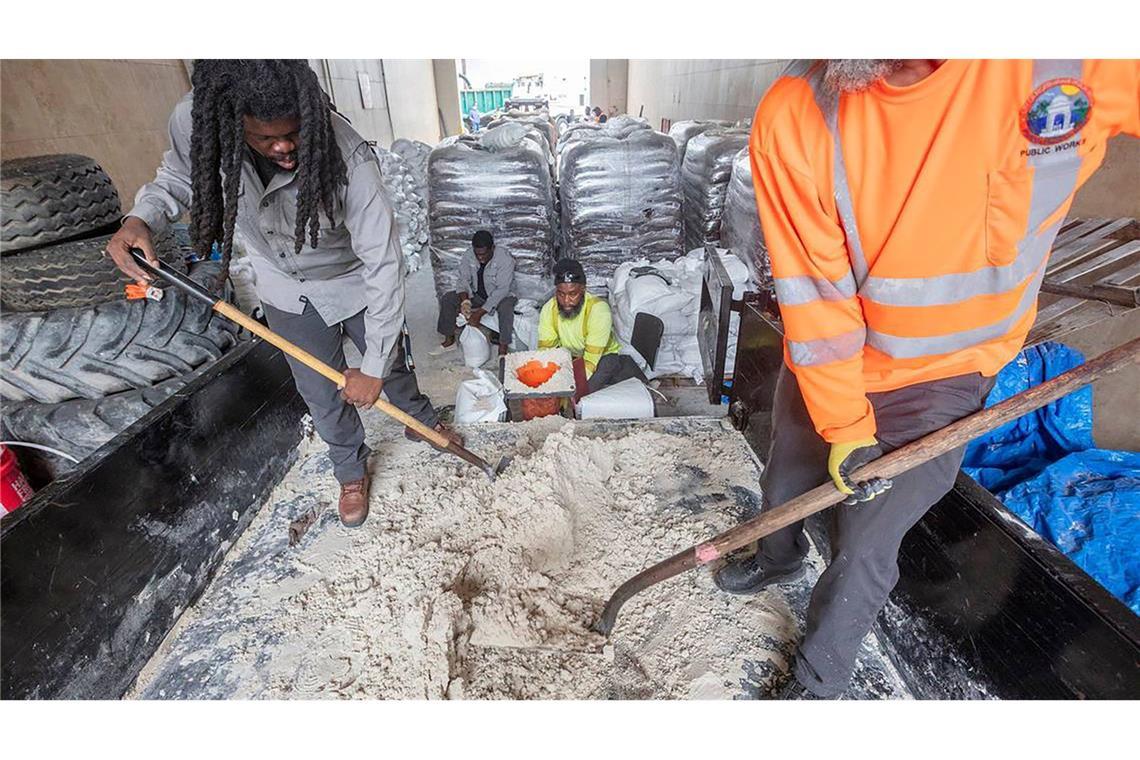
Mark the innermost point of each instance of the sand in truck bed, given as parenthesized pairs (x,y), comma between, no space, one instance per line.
(457,587)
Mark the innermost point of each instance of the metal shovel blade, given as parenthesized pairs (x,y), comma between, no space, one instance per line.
(504,463)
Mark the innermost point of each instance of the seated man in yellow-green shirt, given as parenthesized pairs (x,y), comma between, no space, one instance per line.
(582,324)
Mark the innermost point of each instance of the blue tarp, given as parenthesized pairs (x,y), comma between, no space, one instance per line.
(1045,468)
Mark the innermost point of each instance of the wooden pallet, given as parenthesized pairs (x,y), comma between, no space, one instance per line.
(1093,274)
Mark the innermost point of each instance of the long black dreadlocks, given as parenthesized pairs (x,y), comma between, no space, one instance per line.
(224,92)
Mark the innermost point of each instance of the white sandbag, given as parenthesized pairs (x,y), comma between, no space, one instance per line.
(677,304)
(480,400)
(526,324)
(475,346)
(627,400)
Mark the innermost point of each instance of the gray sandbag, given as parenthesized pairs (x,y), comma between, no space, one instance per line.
(539,119)
(705,173)
(683,131)
(621,199)
(740,227)
(507,190)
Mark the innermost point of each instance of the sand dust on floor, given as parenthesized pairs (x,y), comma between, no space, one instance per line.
(457,587)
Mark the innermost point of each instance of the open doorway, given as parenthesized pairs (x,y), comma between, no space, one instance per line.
(490,85)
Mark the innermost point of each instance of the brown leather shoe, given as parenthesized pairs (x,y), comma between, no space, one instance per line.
(412,435)
(353,506)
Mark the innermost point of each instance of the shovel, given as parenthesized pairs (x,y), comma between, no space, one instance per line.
(891,465)
(231,312)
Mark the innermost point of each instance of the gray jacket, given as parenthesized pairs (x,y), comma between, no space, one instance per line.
(498,277)
(358,264)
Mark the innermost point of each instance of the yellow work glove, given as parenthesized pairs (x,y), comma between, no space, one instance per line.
(845,458)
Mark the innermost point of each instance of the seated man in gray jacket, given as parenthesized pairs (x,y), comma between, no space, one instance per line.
(487,280)
(256,148)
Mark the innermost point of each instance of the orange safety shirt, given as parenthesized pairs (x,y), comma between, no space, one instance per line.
(909,227)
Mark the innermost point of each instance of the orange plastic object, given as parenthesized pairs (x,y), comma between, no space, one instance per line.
(135,291)
(540,407)
(534,374)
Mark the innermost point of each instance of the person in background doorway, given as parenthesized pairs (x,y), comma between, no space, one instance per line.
(582,323)
(906,279)
(256,148)
(485,285)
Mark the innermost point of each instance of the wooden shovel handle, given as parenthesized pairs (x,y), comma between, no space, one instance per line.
(229,311)
(895,463)
(924,449)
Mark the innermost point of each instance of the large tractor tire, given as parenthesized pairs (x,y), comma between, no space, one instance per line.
(70,275)
(90,353)
(80,426)
(45,199)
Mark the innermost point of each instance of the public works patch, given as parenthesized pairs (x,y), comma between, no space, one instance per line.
(1056,111)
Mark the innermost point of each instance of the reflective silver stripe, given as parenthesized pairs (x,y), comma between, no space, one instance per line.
(913,348)
(808,353)
(796,291)
(1055,175)
(828,103)
(944,289)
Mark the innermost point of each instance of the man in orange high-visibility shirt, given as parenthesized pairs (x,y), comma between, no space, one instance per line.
(909,208)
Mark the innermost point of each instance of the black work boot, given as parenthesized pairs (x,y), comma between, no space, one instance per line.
(748,576)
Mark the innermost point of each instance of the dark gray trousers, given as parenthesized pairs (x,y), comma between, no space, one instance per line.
(865,538)
(449,311)
(336,421)
(612,369)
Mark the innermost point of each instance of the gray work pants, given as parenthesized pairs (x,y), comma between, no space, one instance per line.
(865,538)
(336,421)
(611,370)
(449,310)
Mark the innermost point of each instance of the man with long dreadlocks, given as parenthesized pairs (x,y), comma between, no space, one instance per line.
(256,148)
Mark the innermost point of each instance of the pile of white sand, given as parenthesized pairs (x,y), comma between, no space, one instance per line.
(458,587)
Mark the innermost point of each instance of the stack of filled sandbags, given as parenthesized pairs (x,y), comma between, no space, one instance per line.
(740,227)
(705,174)
(409,202)
(500,181)
(683,131)
(619,127)
(621,198)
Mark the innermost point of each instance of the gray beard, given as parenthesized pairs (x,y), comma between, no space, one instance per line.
(571,313)
(856,74)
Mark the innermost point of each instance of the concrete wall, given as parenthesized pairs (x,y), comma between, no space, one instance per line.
(403,99)
(609,84)
(447,96)
(1115,188)
(698,89)
(112,110)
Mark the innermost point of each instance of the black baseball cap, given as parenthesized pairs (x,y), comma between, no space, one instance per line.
(482,239)
(569,270)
